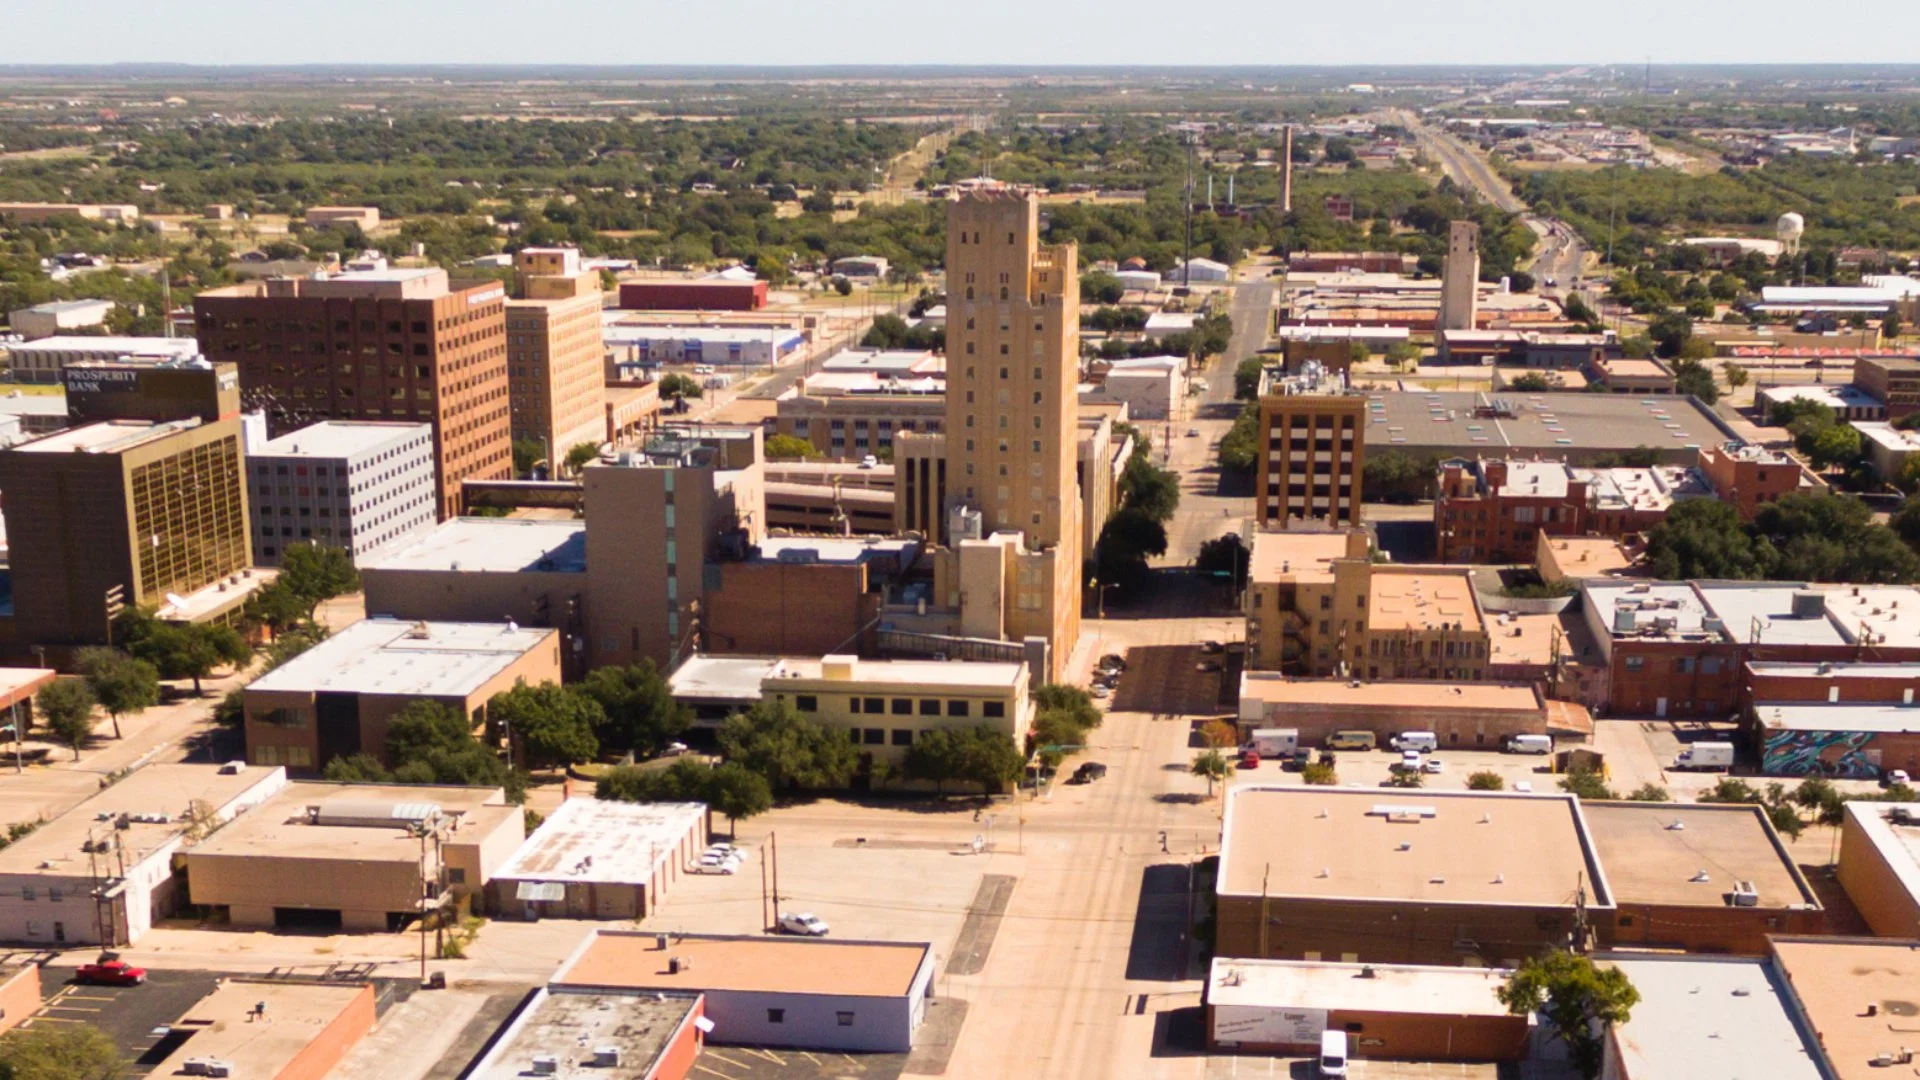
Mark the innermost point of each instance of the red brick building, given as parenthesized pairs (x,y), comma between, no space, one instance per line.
(1752,476)
(693,295)
(375,345)
(1495,511)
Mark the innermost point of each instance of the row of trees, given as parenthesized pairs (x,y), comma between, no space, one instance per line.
(1136,532)
(1818,537)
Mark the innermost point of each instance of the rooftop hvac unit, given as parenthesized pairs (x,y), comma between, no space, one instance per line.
(1625,620)
(219,1068)
(545,1065)
(1745,895)
(1809,605)
(606,1057)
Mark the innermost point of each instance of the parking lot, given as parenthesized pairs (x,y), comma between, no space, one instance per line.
(1372,768)
(135,1017)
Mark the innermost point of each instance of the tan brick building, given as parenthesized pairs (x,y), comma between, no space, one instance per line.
(1312,450)
(556,357)
(123,513)
(374,345)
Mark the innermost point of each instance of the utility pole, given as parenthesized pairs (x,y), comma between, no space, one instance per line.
(1265,870)
(765,923)
(1186,267)
(773,848)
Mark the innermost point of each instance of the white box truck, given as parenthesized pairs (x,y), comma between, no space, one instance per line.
(1710,756)
(1275,742)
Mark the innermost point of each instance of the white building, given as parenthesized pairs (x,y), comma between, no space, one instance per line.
(1149,386)
(41,361)
(733,346)
(1165,324)
(1202,270)
(1138,280)
(352,484)
(861,266)
(47,320)
(600,860)
(102,872)
(1887,447)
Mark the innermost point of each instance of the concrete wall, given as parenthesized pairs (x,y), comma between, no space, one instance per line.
(812,1022)
(1874,887)
(19,996)
(60,910)
(1406,1036)
(467,596)
(1455,728)
(363,890)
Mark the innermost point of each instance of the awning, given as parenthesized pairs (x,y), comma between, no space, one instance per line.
(540,890)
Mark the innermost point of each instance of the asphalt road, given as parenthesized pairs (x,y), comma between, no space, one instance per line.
(1560,255)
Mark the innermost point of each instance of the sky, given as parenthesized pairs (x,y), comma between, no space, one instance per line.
(1012,32)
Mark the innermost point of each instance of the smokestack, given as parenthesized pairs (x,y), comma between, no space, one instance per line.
(1286,174)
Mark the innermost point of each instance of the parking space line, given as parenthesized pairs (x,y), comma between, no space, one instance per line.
(73,1008)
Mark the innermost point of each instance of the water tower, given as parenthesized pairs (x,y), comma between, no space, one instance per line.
(1789,229)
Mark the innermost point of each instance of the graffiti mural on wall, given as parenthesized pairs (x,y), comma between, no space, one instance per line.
(1821,753)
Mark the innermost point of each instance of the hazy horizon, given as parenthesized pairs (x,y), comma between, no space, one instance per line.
(998,33)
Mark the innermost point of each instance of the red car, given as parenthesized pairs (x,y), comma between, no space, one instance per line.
(111,973)
(1250,759)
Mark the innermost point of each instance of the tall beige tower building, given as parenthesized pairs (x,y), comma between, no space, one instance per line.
(556,357)
(1460,278)
(1005,480)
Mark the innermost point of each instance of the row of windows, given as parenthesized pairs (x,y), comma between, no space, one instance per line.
(298,757)
(1682,665)
(900,706)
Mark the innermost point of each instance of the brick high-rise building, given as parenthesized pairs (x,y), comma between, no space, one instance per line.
(374,345)
(124,513)
(556,357)
(1011,506)
(1312,450)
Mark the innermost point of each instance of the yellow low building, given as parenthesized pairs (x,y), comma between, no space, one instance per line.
(885,704)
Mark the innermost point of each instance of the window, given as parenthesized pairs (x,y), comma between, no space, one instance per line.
(874,705)
(845,1018)
(1635,663)
(993,710)
(957,708)
(873,736)
(807,703)
(28,892)
(776,1016)
(902,706)
(456,875)
(853,705)
(929,706)
(903,736)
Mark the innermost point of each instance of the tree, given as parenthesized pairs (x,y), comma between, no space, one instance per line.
(1225,556)
(1100,287)
(676,386)
(789,446)
(1393,476)
(1246,378)
(318,573)
(738,792)
(1240,446)
(276,607)
(1213,765)
(1577,998)
(190,650)
(1531,383)
(1838,445)
(551,724)
(231,713)
(640,712)
(526,453)
(1219,733)
(1693,377)
(581,456)
(67,708)
(1486,780)
(75,1051)
(788,749)
(1650,792)
(1736,375)
(1587,784)
(431,743)
(122,685)
(1145,487)
(1319,774)
(1128,540)
(424,728)
(1702,538)
(1072,700)
(1785,413)
(935,755)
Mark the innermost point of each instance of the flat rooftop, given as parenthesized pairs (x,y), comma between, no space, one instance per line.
(572,1024)
(297,1015)
(1653,604)
(105,437)
(727,678)
(619,843)
(1834,978)
(1592,556)
(1387,988)
(1299,555)
(395,657)
(111,346)
(1881,719)
(1518,638)
(1766,609)
(1278,689)
(1577,427)
(490,545)
(167,791)
(833,549)
(1657,853)
(1430,847)
(1427,599)
(1840,396)
(1875,610)
(630,960)
(930,673)
(282,827)
(340,438)
(1712,1018)
(1899,845)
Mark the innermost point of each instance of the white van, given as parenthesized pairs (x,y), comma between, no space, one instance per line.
(1425,741)
(1530,744)
(1333,1053)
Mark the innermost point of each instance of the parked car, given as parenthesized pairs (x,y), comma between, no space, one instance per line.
(1101,691)
(110,973)
(1088,772)
(1433,767)
(1898,776)
(1250,759)
(1211,647)
(1114,661)
(804,923)
(1193,432)
(673,749)
(1352,739)
(1410,761)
